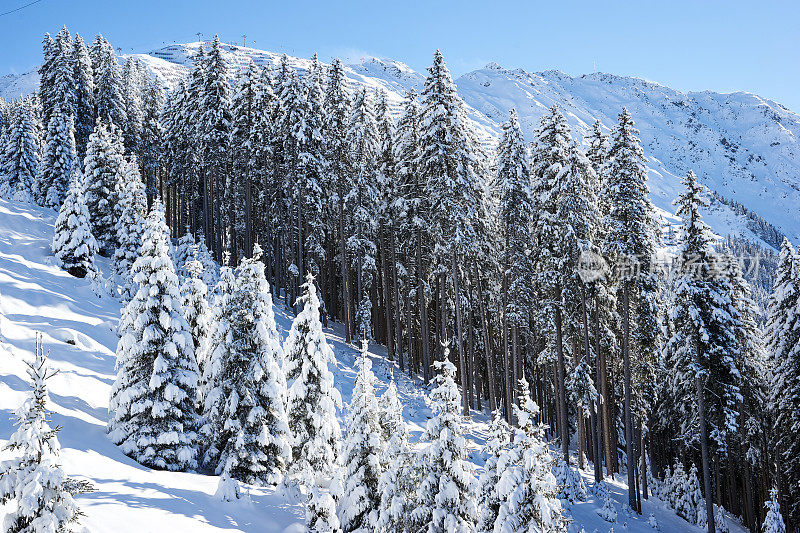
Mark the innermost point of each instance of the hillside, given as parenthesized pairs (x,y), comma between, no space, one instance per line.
(740,145)
(78,323)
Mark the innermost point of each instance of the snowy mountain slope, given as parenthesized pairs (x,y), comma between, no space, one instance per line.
(78,329)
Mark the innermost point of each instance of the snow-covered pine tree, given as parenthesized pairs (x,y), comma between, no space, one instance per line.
(33,486)
(445,501)
(196,310)
(694,504)
(84,95)
(150,149)
(213,128)
(361,204)
(129,225)
(527,487)
(134,84)
(630,239)
(47,75)
(773,522)
(702,351)
(321,512)
(398,482)
(487,495)
(783,359)
(109,93)
(152,407)
(362,453)
(254,440)
(64,77)
(59,161)
(22,150)
(312,400)
(516,210)
(211,396)
(73,243)
(102,174)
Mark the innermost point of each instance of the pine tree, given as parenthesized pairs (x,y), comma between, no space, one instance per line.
(783,349)
(37,492)
(47,76)
(211,396)
(398,482)
(361,204)
(134,85)
(321,512)
(84,95)
(196,310)
(773,522)
(631,235)
(254,433)
(103,173)
(445,501)
(129,226)
(64,96)
(73,243)
(59,162)
(487,495)
(152,407)
(312,400)
(527,488)
(362,453)
(109,90)
(22,151)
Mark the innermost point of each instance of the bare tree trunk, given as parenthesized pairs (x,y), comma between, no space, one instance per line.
(562,390)
(387,298)
(593,418)
(643,463)
(460,336)
(628,418)
(423,314)
(701,408)
(396,291)
(486,343)
(348,317)
(506,363)
(579,412)
(602,372)
(248,215)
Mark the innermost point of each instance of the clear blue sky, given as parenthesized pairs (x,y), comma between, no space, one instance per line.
(689,45)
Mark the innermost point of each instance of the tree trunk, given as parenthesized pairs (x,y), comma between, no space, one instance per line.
(396,291)
(486,343)
(462,359)
(562,390)
(593,422)
(423,314)
(602,372)
(628,418)
(701,408)
(348,317)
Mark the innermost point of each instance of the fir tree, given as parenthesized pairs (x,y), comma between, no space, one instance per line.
(109,90)
(152,408)
(102,174)
(84,95)
(210,393)
(254,440)
(445,501)
(783,358)
(73,243)
(527,488)
(773,522)
(362,453)
(59,162)
(398,482)
(129,226)
(196,310)
(488,498)
(33,486)
(22,151)
(321,512)
(312,400)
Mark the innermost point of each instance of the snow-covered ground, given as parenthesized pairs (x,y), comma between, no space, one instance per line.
(78,329)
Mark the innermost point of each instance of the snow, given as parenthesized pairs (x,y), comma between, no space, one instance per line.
(79,330)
